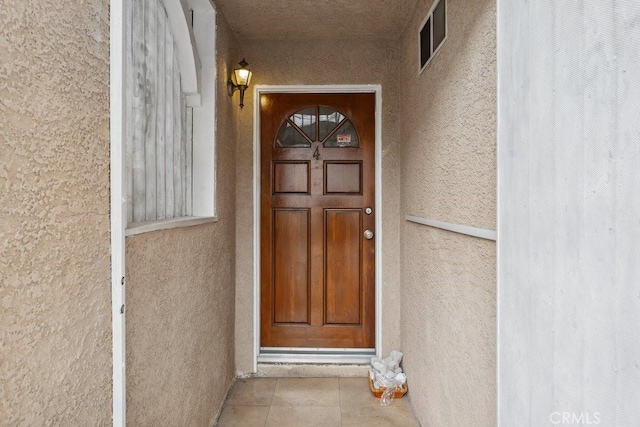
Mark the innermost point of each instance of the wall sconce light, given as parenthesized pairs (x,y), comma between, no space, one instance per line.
(240,79)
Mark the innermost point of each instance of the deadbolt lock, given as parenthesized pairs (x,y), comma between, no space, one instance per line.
(368,210)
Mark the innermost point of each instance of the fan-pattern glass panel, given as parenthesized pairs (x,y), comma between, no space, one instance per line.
(311,124)
(345,137)
(306,121)
(328,120)
(290,137)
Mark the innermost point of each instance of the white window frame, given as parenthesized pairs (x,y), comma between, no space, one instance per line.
(421,68)
(197,57)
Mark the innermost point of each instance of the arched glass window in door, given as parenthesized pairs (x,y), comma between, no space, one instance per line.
(317,124)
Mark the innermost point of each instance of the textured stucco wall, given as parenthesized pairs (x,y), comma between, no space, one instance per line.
(293,62)
(55,322)
(180,295)
(448,145)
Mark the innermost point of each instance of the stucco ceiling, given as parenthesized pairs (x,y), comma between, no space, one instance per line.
(312,19)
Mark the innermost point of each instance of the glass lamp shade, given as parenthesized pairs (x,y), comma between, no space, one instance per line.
(241,77)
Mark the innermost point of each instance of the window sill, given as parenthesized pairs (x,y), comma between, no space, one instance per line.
(166,224)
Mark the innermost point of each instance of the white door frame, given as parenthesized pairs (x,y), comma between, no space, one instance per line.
(257,91)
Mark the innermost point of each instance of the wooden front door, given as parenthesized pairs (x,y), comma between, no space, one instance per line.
(317,277)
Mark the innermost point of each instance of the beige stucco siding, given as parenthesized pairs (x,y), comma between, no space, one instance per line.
(55,297)
(180,295)
(448,121)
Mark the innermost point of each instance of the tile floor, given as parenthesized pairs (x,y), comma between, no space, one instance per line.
(308,402)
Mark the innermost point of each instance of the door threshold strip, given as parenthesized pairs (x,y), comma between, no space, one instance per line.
(346,356)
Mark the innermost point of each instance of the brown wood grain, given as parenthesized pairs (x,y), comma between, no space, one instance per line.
(343,264)
(317,275)
(291,177)
(343,177)
(291,266)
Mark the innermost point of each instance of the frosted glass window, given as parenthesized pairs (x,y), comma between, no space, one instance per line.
(306,121)
(328,120)
(317,124)
(290,137)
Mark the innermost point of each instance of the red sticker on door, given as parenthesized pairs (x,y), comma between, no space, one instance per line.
(344,140)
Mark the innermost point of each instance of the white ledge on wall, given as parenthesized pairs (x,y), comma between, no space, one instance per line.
(456,228)
(166,224)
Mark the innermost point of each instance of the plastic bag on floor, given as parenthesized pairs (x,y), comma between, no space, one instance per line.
(386,373)
(387,396)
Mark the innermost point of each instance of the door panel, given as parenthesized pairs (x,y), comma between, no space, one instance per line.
(291,177)
(317,277)
(343,264)
(341,177)
(291,266)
